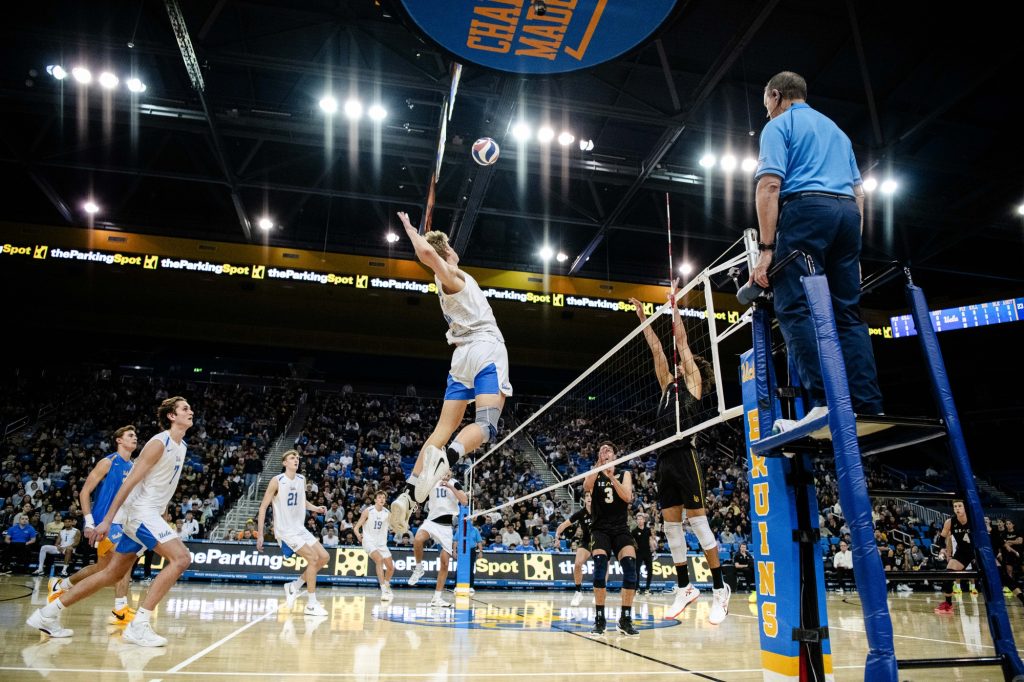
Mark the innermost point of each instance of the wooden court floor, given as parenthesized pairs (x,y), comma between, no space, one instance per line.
(237,632)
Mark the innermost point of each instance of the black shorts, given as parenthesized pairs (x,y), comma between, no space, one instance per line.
(611,541)
(964,554)
(679,479)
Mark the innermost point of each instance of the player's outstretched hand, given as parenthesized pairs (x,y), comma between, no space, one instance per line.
(321,509)
(259,544)
(639,309)
(404,217)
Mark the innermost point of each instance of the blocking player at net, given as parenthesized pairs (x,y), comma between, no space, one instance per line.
(679,477)
(145,495)
(611,495)
(442,512)
(287,492)
(372,533)
(581,520)
(106,479)
(479,372)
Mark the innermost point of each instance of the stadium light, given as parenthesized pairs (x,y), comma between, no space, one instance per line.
(888,186)
(353,108)
(90,207)
(685,269)
(135,85)
(545,134)
(266,223)
(707,161)
(870,184)
(328,104)
(82,75)
(1020,210)
(749,164)
(586,145)
(391,237)
(566,138)
(376,112)
(728,163)
(521,131)
(108,80)
(57,71)
(546,253)
(561,257)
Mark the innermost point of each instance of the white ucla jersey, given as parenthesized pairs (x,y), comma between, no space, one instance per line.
(443,502)
(157,487)
(375,530)
(468,314)
(289,505)
(67,536)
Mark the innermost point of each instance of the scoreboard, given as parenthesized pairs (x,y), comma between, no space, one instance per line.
(964,317)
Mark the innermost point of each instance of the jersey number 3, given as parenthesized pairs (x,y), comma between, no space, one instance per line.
(609,495)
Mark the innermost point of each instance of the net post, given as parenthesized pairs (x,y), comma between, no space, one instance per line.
(462,565)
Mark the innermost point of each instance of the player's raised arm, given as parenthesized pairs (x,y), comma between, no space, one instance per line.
(447,273)
(691,373)
(267,497)
(661,367)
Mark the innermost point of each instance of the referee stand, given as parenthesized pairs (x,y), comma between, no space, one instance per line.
(791,592)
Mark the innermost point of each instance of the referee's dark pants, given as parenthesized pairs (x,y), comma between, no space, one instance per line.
(827,228)
(646,560)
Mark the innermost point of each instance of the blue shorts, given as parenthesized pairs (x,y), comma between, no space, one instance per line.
(479,367)
(111,541)
(147,530)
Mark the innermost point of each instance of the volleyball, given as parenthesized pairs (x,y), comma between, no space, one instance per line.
(485,151)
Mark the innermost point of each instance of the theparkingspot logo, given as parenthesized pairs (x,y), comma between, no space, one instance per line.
(244,556)
(96,257)
(403,285)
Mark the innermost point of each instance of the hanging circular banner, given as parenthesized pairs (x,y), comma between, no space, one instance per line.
(538,36)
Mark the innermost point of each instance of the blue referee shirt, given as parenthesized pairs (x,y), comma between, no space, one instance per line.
(20,534)
(809,152)
(472,535)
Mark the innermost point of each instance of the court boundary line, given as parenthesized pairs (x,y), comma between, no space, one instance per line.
(195,657)
(345,675)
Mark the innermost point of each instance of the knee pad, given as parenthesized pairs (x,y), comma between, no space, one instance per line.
(600,570)
(487,420)
(701,528)
(676,537)
(629,575)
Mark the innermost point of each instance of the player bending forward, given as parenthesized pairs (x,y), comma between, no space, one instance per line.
(287,491)
(442,512)
(372,532)
(679,478)
(144,495)
(957,533)
(108,475)
(479,372)
(582,520)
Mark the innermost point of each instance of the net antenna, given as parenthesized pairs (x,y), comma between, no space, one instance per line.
(616,398)
(442,136)
(672,303)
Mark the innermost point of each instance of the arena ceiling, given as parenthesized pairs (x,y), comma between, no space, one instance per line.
(920,106)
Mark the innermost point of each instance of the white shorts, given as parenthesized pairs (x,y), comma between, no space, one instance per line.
(370,546)
(478,367)
(442,535)
(145,530)
(295,541)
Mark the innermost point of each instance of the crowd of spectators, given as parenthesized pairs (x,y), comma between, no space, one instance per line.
(45,464)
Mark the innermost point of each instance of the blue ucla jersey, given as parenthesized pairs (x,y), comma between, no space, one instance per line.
(111,483)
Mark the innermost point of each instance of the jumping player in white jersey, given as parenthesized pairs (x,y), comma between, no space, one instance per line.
(374,521)
(144,495)
(479,372)
(443,510)
(108,475)
(287,491)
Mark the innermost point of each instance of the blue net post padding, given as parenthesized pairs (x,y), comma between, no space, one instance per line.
(462,566)
(998,621)
(853,491)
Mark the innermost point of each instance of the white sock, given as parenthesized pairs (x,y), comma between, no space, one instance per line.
(120,603)
(52,609)
(312,598)
(437,594)
(298,583)
(141,617)
(458,447)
